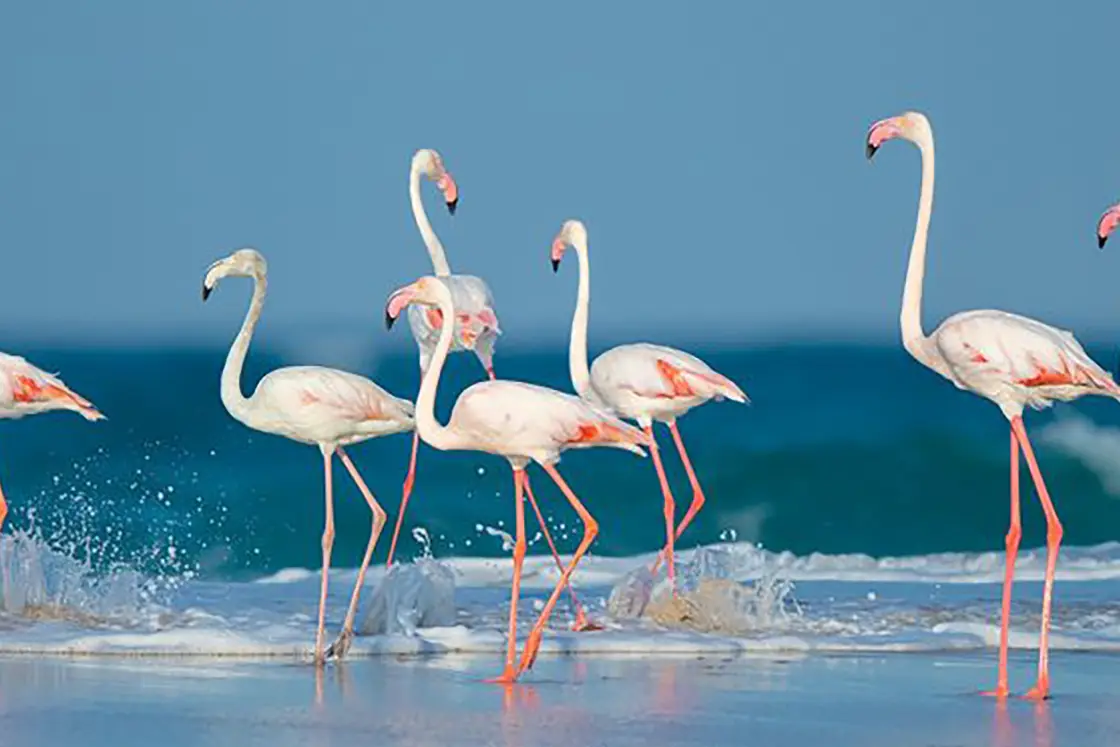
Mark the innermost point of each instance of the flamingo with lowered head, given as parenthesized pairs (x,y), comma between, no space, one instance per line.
(642,382)
(523,423)
(28,390)
(476,325)
(1011,360)
(314,405)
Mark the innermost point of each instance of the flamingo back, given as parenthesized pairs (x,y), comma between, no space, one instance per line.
(1015,361)
(320,405)
(515,419)
(476,323)
(26,389)
(643,380)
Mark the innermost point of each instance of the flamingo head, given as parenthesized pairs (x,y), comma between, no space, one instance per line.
(427,291)
(430,164)
(247,262)
(572,233)
(912,126)
(1107,224)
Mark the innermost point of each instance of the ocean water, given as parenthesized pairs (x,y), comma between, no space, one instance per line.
(862,499)
(842,450)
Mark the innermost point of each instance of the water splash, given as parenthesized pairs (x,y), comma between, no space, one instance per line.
(708,599)
(37,581)
(411,596)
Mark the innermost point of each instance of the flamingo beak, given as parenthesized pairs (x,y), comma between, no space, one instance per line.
(206,289)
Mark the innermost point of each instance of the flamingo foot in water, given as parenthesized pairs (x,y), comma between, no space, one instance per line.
(1041,690)
(339,648)
(507,677)
(583,625)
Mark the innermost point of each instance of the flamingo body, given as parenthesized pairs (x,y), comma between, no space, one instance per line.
(476,324)
(1013,360)
(525,421)
(644,382)
(26,389)
(316,405)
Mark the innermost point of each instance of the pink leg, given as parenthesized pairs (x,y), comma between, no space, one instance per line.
(1041,690)
(581,624)
(670,511)
(340,646)
(5,582)
(509,675)
(697,493)
(590,530)
(1012,544)
(3,509)
(328,542)
(406,493)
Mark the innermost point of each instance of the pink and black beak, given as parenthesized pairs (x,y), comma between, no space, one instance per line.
(557,253)
(450,191)
(1107,224)
(398,301)
(881,132)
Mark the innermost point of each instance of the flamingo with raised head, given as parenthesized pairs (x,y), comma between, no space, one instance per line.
(476,325)
(642,382)
(523,423)
(28,390)
(1011,360)
(314,405)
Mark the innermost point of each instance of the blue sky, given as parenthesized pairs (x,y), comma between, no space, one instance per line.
(714,149)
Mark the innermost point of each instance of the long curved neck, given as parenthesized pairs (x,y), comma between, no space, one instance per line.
(910,318)
(434,434)
(577,343)
(232,398)
(435,248)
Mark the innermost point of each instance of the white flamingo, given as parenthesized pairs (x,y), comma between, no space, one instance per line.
(523,423)
(642,382)
(1011,360)
(476,325)
(319,406)
(28,390)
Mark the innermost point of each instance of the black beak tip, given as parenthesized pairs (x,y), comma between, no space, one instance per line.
(206,292)
(871,151)
(1100,241)
(389,319)
(555,265)
(451,206)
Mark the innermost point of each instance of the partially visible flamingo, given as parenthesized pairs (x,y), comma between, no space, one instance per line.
(476,325)
(28,390)
(1011,360)
(523,423)
(314,405)
(642,382)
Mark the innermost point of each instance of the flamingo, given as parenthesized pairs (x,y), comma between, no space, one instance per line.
(1011,360)
(523,423)
(476,325)
(642,382)
(476,329)
(314,405)
(28,390)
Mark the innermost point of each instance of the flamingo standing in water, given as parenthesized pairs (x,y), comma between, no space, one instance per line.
(28,390)
(476,329)
(523,423)
(1011,360)
(642,382)
(476,324)
(319,406)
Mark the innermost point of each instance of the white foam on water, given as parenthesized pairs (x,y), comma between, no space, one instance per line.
(742,599)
